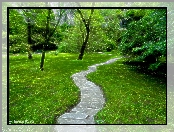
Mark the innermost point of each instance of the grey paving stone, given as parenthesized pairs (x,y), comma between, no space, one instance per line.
(91,111)
(78,109)
(82,106)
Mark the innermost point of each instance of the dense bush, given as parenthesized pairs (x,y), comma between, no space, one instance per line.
(18,38)
(18,44)
(145,39)
(19,48)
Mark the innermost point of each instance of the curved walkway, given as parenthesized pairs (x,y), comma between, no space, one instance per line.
(92,99)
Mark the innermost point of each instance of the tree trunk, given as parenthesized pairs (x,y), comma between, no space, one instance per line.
(46,40)
(87,24)
(29,31)
(84,44)
(42,59)
(29,39)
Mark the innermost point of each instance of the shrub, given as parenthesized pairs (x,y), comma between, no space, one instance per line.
(14,39)
(19,48)
(66,47)
(145,39)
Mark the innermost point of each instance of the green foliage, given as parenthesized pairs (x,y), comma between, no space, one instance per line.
(19,48)
(19,19)
(14,39)
(154,66)
(135,14)
(111,26)
(65,47)
(102,37)
(71,40)
(17,23)
(17,34)
(146,38)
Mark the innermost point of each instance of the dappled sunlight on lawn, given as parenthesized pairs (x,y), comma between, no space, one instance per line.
(50,92)
(131,97)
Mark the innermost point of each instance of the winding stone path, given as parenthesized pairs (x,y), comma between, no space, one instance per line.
(92,99)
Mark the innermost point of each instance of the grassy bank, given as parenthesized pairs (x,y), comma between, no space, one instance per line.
(131,97)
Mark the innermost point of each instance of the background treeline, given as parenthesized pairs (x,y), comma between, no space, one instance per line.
(139,34)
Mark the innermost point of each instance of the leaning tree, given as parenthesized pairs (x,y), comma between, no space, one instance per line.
(49,33)
(86,22)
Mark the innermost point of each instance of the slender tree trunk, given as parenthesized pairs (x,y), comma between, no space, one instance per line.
(29,32)
(46,40)
(42,59)
(87,25)
(29,39)
(84,44)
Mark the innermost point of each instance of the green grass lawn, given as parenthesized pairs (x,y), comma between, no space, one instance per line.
(131,97)
(41,96)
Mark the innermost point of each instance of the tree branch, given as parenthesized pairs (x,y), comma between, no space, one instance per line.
(60,16)
(83,19)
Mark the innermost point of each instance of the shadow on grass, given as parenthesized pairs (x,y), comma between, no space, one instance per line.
(142,67)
